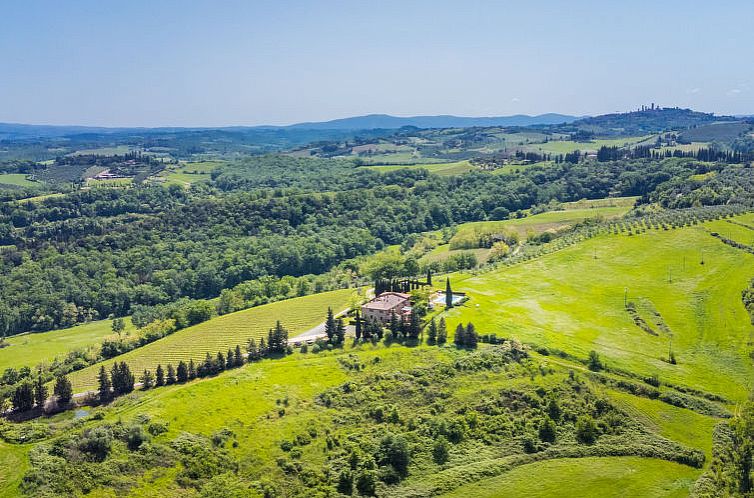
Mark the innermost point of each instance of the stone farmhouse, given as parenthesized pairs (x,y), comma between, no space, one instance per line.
(382,307)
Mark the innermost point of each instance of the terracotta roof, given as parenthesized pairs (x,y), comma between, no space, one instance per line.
(388,301)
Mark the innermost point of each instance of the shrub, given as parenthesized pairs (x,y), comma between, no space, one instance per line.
(586,430)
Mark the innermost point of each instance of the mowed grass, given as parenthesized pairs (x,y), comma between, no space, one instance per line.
(17,179)
(446,169)
(565,146)
(221,333)
(186,174)
(33,348)
(573,300)
(13,464)
(587,478)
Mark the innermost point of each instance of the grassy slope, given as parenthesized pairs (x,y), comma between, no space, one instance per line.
(455,168)
(571,301)
(219,334)
(587,477)
(13,464)
(33,348)
(17,179)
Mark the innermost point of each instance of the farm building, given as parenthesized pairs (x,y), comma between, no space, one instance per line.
(382,307)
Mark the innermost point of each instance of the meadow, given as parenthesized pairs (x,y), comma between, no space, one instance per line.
(32,348)
(574,300)
(445,169)
(185,174)
(224,332)
(16,179)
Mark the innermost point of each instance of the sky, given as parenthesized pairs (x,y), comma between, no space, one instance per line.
(228,62)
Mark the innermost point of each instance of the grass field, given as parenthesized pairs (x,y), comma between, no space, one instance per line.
(13,463)
(186,174)
(221,333)
(447,169)
(17,179)
(565,146)
(573,300)
(39,198)
(118,150)
(34,348)
(109,182)
(587,478)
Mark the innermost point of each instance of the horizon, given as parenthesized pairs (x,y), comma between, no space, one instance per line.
(238,64)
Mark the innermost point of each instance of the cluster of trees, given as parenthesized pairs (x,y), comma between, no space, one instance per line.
(119,381)
(466,337)
(705,154)
(29,394)
(405,285)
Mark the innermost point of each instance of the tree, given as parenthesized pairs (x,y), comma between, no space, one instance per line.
(442,332)
(118,326)
(253,352)
(553,409)
(595,365)
(23,397)
(432,332)
(105,387)
(394,451)
(230,360)
(181,373)
(429,277)
(471,337)
(358,325)
(330,326)
(586,430)
(63,389)
(40,391)
(547,430)
(191,370)
(441,450)
(147,380)
(414,327)
(448,294)
(395,325)
(159,377)
(219,362)
(170,377)
(238,356)
(340,331)
(460,336)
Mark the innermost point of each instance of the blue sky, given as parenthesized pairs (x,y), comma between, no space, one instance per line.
(226,62)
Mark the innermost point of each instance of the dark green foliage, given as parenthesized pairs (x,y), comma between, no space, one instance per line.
(40,391)
(330,326)
(122,379)
(432,332)
(594,364)
(441,450)
(586,430)
(181,373)
(442,332)
(63,389)
(170,378)
(23,396)
(159,377)
(547,430)
(104,389)
(238,356)
(147,380)
(448,294)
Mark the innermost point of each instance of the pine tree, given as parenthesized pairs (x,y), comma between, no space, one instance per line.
(191,370)
(330,326)
(40,392)
(460,337)
(105,386)
(127,378)
(159,377)
(251,348)
(181,373)
(147,380)
(471,337)
(63,389)
(432,332)
(238,356)
(395,325)
(442,332)
(206,367)
(230,360)
(263,350)
(340,331)
(358,325)
(219,362)
(414,327)
(448,294)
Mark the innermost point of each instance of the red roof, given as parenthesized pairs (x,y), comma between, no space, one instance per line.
(388,301)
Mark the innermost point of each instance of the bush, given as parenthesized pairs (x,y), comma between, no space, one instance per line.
(586,430)
(547,430)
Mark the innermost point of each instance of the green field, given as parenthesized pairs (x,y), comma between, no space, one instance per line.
(17,179)
(573,300)
(118,150)
(565,146)
(109,182)
(185,174)
(447,169)
(34,348)
(224,332)
(588,478)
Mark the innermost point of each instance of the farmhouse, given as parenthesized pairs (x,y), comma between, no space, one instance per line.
(382,307)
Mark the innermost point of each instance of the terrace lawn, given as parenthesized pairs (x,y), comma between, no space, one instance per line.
(224,332)
(573,300)
(33,348)
(587,478)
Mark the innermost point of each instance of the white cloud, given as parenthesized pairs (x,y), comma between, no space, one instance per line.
(515,99)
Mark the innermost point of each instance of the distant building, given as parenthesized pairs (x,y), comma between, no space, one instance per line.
(382,307)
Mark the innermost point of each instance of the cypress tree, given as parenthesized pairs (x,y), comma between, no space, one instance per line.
(147,380)
(40,391)
(432,332)
(238,356)
(471,336)
(126,378)
(414,327)
(181,373)
(448,294)
(460,336)
(395,325)
(429,277)
(63,389)
(330,326)
(358,325)
(170,378)
(104,390)
(159,377)
(340,331)
(442,332)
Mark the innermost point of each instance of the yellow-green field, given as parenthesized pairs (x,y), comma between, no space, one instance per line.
(447,169)
(573,300)
(17,179)
(185,174)
(34,348)
(224,332)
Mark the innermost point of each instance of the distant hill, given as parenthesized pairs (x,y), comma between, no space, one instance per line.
(647,121)
(387,122)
